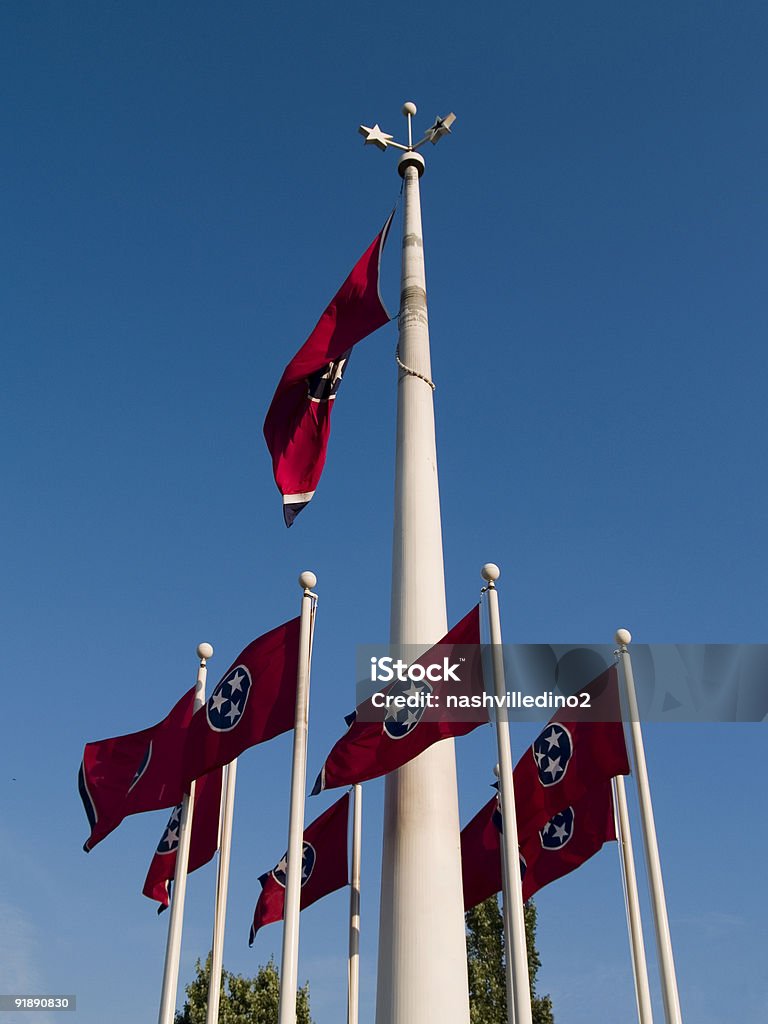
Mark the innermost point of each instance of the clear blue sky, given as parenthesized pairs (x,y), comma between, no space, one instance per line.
(183,190)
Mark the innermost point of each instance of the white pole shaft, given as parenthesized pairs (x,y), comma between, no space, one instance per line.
(517,954)
(422,967)
(672,1014)
(176,917)
(289,967)
(222,888)
(353,985)
(507,933)
(632,904)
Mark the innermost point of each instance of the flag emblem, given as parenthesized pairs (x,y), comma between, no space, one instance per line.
(169,842)
(323,385)
(142,767)
(552,752)
(400,722)
(227,702)
(558,830)
(308,858)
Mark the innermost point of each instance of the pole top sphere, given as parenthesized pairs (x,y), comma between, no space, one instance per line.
(497,771)
(409,108)
(410,159)
(204,651)
(490,572)
(623,637)
(307,580)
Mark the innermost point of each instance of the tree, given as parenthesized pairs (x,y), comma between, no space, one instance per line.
(486,965)
(243,1000)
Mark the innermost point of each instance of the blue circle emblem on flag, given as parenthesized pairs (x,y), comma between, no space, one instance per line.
(552,752)
(170,839)
(325,382)
(226,704)
(558,830)
(523,867)
(400,722)
(308,858)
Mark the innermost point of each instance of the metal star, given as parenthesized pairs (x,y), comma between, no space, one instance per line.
(375,136)
(441,127)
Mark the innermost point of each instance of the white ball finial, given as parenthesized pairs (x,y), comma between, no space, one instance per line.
(623,637)
(409,108)
(490,572)
(497,771)
(204,652)
(307,580)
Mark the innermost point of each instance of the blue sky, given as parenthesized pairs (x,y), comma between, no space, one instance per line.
(183,191)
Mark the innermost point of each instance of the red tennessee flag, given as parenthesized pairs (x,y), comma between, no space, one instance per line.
(254,701)
(575,752)
(138,772)
(204,841)
(298,422)
(566,841)
(381,739)
(324,867)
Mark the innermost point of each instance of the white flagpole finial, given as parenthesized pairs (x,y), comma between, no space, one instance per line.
(490,572)
(307,580)
(204,652)
(623,637)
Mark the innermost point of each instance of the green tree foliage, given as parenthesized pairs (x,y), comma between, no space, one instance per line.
(486,965)
(243,1000)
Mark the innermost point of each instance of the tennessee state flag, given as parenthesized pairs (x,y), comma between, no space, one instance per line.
(566,841)
(138,772)
(254,701)
(381,739)
(324,867)
(570,756)
(298,422)
(203,844)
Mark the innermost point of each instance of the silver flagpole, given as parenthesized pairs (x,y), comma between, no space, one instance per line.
(289,965)
(222,888)
(517,954)
(632,903)
(672,1013)
(422,969)
(507,922)
(353,983)
(176,917)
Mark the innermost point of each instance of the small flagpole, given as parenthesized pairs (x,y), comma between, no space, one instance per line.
(517,955)
(176,918)
(353,989)
(222,888)
(632,903)
(289,966)
(672,1014)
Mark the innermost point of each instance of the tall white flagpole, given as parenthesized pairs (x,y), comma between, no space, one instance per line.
(632,903)
(176,917)
(672,1014)
(353,983)
(422,967)
(222,888)
(507,922)
(517,953)
(289,965)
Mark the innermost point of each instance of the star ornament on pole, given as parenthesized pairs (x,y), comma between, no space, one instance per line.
(381,139)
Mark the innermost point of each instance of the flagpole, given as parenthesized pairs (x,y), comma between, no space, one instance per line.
(517,955)
(672,1014)
(422,966)
(632,903)
(353,989)
(289,964)
(222,888)
(176,917)
(506,921)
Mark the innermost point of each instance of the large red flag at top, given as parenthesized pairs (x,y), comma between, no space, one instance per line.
(381,739)
(298,422)
(254,701)
(138,772)
(324,867)
(203,843)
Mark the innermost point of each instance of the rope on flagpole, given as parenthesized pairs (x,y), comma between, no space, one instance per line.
(413,373)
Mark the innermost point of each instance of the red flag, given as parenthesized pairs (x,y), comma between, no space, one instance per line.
(298,422)
(381,739)
(254,701)
(570,756)
(138,772)
(203,843)
(324,867)
(567,841)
